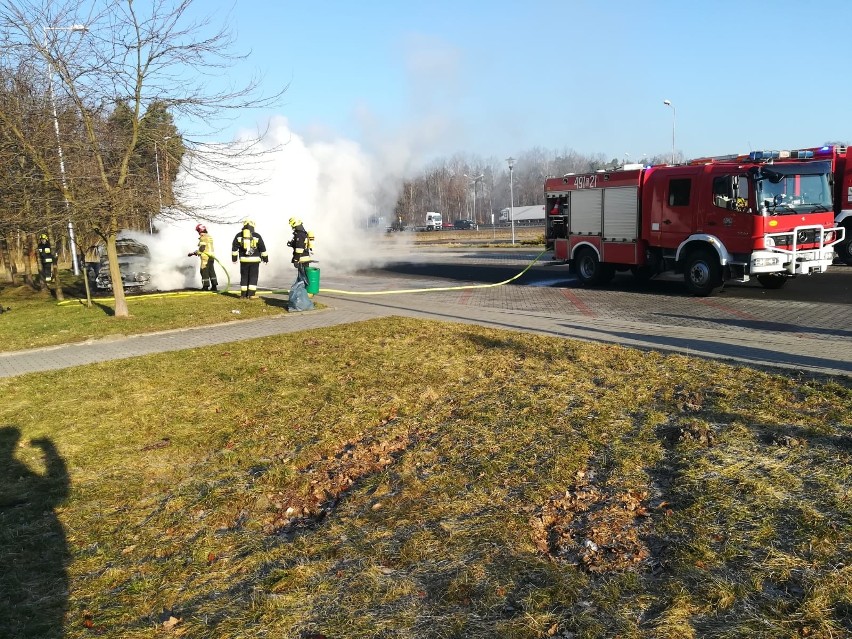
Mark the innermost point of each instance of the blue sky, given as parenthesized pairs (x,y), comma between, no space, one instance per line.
(499,77)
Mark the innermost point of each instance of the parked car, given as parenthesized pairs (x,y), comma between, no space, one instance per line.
(464,225)
(134,261)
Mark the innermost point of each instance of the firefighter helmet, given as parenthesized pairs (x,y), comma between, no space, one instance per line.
(43,236)
(200,228)
(294,222)
(248,223)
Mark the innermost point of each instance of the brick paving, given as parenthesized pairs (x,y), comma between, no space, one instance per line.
(806,336)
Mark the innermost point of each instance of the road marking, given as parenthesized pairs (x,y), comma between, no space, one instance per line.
(728,309)
(577,302)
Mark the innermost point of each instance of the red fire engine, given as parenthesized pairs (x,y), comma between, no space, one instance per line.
(842,176)
(713,220)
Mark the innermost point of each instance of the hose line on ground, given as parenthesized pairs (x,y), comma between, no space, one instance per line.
(327,290)
(430,290)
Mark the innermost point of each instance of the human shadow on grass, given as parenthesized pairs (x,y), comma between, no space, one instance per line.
(33,551)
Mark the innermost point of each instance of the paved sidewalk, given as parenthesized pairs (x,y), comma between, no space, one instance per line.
(800,351)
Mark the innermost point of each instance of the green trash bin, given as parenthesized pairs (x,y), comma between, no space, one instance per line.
(313,274)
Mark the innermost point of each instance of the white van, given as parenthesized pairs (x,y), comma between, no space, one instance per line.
(434,222)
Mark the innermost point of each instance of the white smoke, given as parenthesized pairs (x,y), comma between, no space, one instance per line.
(332,186)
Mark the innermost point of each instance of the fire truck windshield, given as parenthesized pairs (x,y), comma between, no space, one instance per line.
(785,192)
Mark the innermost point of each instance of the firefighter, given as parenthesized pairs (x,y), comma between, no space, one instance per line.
(301,245)
(46,257)
(205,253)
(249,248)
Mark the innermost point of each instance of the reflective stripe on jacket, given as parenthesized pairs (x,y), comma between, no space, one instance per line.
(248,246)
(44,253)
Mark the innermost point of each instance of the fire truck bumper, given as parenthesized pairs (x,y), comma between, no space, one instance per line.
(801,262)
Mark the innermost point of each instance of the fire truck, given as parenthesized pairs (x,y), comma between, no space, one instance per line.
(766,215)
(842,170)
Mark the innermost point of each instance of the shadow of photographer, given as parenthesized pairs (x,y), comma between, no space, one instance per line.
(33,551)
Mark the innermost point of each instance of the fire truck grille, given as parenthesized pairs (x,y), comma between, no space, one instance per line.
(805,236)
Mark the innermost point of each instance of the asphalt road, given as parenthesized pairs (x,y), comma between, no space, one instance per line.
(491,266)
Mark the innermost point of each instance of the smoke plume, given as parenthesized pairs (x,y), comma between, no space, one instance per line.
(334,187)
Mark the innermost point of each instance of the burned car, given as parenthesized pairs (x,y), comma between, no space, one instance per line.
(134,261)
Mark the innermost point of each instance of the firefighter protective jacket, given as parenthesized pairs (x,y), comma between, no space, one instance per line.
(300,244)
(205,248)
(248,246)
(45,253)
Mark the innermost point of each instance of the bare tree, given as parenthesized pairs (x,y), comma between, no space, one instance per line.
(106,63)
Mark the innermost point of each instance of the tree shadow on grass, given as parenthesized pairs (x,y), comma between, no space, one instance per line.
(108,310)
(33,550)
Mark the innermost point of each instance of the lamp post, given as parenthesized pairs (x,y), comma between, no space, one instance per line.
(474,180)
(511,162)
(668,103)
(81,28)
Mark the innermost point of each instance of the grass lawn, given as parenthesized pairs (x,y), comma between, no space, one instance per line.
(34,318)
(402,478)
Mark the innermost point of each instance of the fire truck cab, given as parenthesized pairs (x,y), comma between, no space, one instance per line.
(842,173)
(712,220)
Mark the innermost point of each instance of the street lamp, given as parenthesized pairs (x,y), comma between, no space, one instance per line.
(511,162)
(474,180)
(668,103)
(81,28)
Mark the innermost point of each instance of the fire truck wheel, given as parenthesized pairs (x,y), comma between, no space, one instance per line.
(702,272)
(589,268)
(772,281)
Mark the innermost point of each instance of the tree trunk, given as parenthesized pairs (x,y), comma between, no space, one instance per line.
(86,285)
(29,251)
(115,275)
(8,260)
(57,284)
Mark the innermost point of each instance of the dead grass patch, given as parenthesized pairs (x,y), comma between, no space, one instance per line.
(596,530)
(443,482)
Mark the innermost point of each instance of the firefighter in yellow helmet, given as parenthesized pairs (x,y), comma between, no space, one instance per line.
(46,257)
(248,247)
(301,245)
(205,253)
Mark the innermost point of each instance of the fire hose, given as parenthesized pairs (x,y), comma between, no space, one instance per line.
(427,290)
(342,292)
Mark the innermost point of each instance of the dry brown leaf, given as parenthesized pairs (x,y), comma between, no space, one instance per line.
(171,622)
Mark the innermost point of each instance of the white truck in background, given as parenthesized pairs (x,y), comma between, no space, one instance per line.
(434,221)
